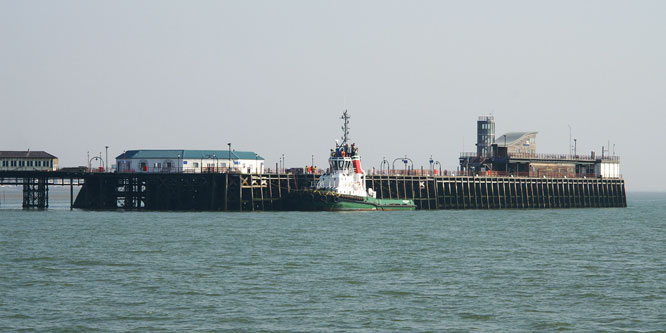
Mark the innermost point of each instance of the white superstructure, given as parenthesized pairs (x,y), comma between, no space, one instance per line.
(345,175)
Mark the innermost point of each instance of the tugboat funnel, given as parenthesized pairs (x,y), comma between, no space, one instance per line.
(357,166)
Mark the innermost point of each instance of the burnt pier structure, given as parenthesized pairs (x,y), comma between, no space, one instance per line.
(36,185)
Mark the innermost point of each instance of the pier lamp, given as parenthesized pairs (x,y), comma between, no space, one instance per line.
(215,158)
(229,165)
(180,164)
(404,160)
(107,158)
(382,164)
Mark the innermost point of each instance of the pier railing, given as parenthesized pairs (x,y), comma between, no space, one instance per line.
(551,157)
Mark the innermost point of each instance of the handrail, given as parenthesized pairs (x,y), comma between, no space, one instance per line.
(559,157)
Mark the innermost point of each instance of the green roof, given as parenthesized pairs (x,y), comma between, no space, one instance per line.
(187,154)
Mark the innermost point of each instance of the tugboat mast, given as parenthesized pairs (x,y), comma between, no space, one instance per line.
(345,128)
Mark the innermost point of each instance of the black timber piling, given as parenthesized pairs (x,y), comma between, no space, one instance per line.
(263,192)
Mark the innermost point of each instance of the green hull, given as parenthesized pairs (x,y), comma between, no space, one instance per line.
(308,200)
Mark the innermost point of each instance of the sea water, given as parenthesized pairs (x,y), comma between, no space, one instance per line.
(486,270)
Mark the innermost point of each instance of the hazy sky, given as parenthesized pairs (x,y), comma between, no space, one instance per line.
(274,77)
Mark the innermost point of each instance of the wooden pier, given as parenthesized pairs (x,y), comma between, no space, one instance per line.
(263,192)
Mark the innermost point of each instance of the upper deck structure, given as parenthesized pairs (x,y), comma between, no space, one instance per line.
(27,161)
(189,161)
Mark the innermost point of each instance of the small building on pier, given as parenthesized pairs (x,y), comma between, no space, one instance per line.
(27,161)
(189,161)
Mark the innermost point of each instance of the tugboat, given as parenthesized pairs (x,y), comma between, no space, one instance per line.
(342,187)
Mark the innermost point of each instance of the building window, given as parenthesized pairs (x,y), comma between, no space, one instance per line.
(168,165)
(47,163)
(38,163)
(30,163)
(13,163)
(21,163)
(195,164)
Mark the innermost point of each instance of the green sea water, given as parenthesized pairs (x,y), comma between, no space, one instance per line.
(472,270)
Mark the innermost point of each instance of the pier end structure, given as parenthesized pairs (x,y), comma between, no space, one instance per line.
(515,154)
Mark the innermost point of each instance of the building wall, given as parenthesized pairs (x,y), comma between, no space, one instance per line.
(28,164)
(168,165)
(526,145)
(553,170)
(607,170)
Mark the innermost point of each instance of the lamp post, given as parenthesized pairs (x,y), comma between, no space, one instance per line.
(404,160)
(107,158)
(381,166)
(180,164)
(575,147)
(229,165)
(215,158)
(283,166)
(101,161)
(256,168)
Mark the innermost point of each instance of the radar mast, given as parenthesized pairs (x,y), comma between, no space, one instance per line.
(345,128)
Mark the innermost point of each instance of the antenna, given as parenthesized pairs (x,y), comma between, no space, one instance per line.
(345,128)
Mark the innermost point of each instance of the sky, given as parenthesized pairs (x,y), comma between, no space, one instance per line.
(274,77)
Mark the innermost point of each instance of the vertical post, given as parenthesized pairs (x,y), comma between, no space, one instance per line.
(213,188)
(229,156)
(71,193)
(261,190)
(226,191)
(251,190)
(240,192)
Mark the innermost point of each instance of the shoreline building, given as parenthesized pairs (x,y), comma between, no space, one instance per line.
(189,161)
(515,154)
(27,161)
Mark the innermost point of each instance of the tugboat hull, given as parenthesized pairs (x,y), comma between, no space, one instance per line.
(314,200)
